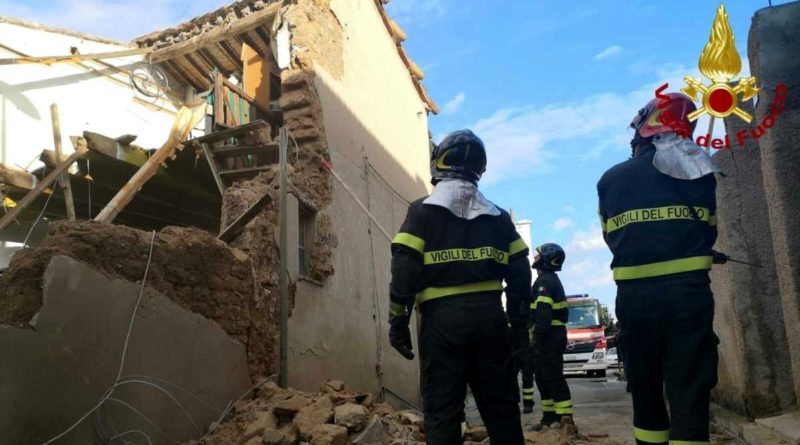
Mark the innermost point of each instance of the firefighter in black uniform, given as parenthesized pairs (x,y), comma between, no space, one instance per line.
(549,315)
(658,215)
(451,256)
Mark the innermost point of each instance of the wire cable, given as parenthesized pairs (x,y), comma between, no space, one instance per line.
(107,394)
(38,218)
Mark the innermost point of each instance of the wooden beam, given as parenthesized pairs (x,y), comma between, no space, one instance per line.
(214,166)
(184,122)
(203,72)
(76,57)
(233,57)
(16,177)
(209,58)
(40,187)
(183,74)
(63,180)
(217,34)
(236,227)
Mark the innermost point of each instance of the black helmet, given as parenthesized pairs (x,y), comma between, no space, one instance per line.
(551,257)
(460,155)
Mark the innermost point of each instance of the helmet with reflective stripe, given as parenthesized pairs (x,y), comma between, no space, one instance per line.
(460,155)
(549,256)
(672,115)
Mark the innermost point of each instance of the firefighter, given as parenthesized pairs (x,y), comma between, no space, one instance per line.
(549,315)
(658,214)
(524,363)
(451,256)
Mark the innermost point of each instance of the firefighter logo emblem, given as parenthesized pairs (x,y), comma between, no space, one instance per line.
(720,63)
(570,346)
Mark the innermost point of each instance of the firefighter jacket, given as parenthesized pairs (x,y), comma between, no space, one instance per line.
(548,303)
(655,225)
(438,255)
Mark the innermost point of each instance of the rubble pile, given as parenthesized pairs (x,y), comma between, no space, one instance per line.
(338,415)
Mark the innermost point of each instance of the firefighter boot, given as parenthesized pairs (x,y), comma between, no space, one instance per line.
(548,419)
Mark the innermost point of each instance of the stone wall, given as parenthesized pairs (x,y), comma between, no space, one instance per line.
(758,309)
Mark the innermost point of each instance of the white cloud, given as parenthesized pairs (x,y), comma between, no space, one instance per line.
(591,239)
(611,51)
(119,19)
(453,105)
(416,12)
(520,140)
(562,223)
(569,209)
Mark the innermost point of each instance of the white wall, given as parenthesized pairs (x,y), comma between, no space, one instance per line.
(86,100)
(524,230)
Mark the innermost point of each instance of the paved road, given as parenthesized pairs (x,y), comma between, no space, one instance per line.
(601,407)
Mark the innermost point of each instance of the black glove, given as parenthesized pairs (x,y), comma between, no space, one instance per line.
(400,336)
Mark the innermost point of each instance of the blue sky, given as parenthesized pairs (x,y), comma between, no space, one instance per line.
(549,85)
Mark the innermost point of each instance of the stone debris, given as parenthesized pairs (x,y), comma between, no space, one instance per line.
(339,415)
(351,416)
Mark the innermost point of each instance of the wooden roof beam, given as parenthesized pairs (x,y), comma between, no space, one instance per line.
(218,34)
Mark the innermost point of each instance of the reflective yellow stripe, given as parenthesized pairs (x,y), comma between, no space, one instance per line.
(564,407)
(650,436)
(396,309)
(527,397)
(438,292)
(662,268)
(548,406)
(668,213)
(686,442)
(517,246)
(410,240)
(712,221)
(602,221)
(548,300)
(476,254)
(557,323)
(543,299)
(527,390)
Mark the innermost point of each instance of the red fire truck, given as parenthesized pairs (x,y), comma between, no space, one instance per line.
(586,339)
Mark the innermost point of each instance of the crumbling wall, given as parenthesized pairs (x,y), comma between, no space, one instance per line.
(758,309)
(754,372)
(773,45)
(189,266)
(52,374)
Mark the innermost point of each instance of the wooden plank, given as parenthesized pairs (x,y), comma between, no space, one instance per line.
(40,187)
(218,34)
(236,227)
(219,101)
(230,53)
(244,172)
(76,57)
(214,166)
(16,177)
(63,180)
(231,132)
(240,150)
(184,122)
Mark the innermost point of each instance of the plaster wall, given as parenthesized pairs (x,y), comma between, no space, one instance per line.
(87,100)
(377,137)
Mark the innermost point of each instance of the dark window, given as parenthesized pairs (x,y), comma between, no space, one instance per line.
(305,236)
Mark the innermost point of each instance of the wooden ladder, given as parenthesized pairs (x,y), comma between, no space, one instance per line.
(231,159)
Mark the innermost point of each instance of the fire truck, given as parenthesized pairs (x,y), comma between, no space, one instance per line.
(586,339)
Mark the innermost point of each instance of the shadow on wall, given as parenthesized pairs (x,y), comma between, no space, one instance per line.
(358,291)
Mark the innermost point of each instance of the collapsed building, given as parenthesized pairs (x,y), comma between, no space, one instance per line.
(197,233)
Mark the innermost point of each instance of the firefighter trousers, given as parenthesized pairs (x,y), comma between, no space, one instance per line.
(670,344)
(465,339)
(553,388)
(526,366)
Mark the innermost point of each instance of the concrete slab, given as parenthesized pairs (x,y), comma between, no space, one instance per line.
(787,426)
(52,374)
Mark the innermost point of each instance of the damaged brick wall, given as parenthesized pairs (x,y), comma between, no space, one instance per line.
(189,266)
